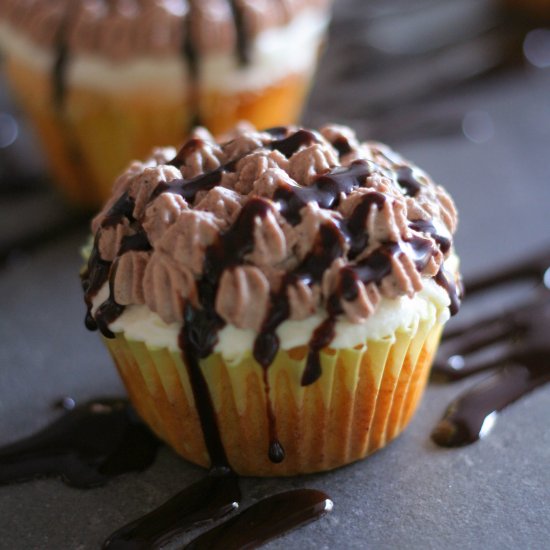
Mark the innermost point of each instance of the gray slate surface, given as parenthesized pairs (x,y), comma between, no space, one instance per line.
(494,494)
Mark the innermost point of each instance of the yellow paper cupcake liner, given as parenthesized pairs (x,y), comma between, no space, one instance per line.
(364,398)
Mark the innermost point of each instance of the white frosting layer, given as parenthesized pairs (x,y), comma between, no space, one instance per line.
(275,53)
(139,323)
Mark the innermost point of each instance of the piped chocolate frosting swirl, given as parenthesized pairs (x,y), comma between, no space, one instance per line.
(291,220)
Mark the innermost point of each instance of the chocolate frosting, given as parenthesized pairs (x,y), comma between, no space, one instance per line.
(119,30)
(288,217)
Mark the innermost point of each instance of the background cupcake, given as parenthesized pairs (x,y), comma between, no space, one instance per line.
(105,81)
(273,302)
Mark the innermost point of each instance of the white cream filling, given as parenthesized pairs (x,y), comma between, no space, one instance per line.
(138,322)
(275,54)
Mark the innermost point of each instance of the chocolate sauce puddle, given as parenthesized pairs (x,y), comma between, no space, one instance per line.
(268,519)
(519,343)
(86,447)
(207,500)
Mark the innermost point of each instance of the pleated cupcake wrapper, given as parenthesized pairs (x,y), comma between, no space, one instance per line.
(363,399)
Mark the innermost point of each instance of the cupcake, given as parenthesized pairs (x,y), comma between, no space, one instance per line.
(104,82)
(273,300)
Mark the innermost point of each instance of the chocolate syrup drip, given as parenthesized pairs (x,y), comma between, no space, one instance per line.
(86,447)
(191,59)
(188,49)
(61,59)
(445,281)
(277,132)
(60,68)
(325,190)
(136,243)
(329,246)
(276,451)
(229,251)
(406,179)
(196,340)
(356,223)
(243,42)
(426,226)
(237,242)
(514,345)
(189,188)
(191,146)
(100,271)
(322,337)
(342,145)
(121,210)
(378,264)
(268,519)
(95,276)
(289,145)
(207,500)
(110,310)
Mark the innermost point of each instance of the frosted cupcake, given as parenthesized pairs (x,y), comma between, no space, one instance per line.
(104,82)
(273,301)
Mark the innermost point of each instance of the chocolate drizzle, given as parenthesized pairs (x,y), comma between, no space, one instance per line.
(99,271)
(405,178)
(189,188)
(513,345)
(290,145)
(196,342)
(342,145)
(265,520)
(86,447)
(207,500)
(59,68)
(242,38)
(92,443)
(326,190)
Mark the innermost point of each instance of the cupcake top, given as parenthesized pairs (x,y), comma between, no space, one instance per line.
(264,226)
(121,30)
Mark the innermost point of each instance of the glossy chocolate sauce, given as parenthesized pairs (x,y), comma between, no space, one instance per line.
(267,519)
(207,500)
(516,350)
(99,271)
(407,180)
(92,443)
(86,447)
